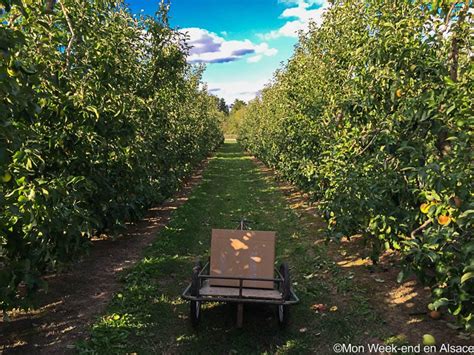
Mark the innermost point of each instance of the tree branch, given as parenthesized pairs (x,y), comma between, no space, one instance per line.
(71,29)
(453,70)
(420,228)
(448,16)
(370,143)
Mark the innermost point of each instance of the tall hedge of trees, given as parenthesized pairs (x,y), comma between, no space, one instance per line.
(373,117)
(231,123)
(100,117)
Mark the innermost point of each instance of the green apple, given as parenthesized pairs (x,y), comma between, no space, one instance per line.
(428,339)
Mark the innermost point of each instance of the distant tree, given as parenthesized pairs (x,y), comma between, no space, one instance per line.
(237,105)
(231,125)
(223,106)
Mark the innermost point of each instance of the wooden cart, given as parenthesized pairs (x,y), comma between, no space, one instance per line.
(241,270)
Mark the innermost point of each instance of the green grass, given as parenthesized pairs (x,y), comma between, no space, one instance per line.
(148,315)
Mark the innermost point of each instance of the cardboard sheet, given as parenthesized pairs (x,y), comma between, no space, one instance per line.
(242,254)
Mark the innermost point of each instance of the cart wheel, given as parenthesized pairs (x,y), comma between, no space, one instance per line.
(283,313)
(198,264)
(195,308)
(286,284)
(195,313)
(195,282)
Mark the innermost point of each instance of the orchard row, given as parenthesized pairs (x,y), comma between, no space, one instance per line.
(100,117)
(372,116)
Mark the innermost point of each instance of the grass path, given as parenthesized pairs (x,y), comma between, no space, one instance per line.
(148,316)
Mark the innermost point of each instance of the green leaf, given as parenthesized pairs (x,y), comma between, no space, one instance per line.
(94,110)
(21,181)
(467,276)
(439,303)
(401,276)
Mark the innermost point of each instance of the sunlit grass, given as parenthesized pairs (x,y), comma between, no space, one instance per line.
(148,316)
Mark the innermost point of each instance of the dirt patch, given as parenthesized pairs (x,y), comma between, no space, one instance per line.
(403,306)
(76,297)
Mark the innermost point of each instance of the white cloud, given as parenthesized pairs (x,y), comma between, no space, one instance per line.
(243,90)
(255,59)
(301,15)
(264,49)
(208,47)
(298,2)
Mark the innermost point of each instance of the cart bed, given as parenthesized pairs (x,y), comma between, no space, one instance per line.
(207,290)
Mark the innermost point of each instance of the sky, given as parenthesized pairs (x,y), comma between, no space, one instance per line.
(242,42)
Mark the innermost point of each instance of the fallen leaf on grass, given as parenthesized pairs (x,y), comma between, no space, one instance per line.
(303,330)
(319,307)
(333,309)
(379,280)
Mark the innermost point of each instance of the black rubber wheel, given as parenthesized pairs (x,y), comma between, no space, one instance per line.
(283,312)
(195,307)
(195,313)
(286,284)
(195,281)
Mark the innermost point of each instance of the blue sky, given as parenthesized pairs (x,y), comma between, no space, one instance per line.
(242,42)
